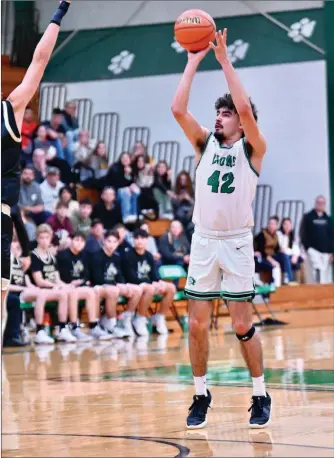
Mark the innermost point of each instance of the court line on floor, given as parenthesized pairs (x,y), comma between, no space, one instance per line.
(184,451)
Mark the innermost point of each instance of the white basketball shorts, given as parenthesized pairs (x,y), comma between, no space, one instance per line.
(221,267)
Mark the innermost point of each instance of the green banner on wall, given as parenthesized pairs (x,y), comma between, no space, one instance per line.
(129,52)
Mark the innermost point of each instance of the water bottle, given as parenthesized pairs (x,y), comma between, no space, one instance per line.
(185,323)
(47,323)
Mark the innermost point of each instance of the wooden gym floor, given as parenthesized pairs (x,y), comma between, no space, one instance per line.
(131,398)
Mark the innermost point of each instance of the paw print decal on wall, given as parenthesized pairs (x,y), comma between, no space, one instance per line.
(302,29)
(237,50)
(121,63)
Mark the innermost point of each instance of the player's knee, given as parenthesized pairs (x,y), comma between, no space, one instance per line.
(197,326)
(244,332)
(148,289)
(171,288)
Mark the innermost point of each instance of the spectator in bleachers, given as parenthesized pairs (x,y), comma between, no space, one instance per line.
(108,210)
(29,226)
(98,160)
(152,245)
(50,188)
(66,175)
(289,246)
(94,241)
(183,200)
(174,246)
(31,200)
(266,243)
(29,125)
(73,266)
(39,164)
(140,149)
(140,269)
(66,197)
(81,219)
(41,141)
(317,237)
(56,132)
(70,121)
(124,244)
(162,190)
(61,224)
(144,179)
(45,275)
(83,148)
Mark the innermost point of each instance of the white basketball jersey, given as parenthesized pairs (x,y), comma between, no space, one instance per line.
(225,187)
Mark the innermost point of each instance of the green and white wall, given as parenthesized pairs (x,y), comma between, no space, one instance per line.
(135,71)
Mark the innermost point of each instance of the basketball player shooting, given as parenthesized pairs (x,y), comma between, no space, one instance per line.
(222,259)
(12,111)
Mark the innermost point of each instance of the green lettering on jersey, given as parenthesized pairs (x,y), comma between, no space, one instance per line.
(227,180)
(222,160)
(229,160)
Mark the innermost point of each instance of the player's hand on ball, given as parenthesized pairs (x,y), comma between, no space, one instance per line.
(197,57)
(220,49)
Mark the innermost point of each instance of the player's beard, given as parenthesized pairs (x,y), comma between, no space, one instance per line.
(219,136)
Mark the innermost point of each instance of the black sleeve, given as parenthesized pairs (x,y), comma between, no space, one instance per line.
(259,244)
(94,269)
(63,268)
(166,250)
(186,244)
(130,268)
(96,214)
(36,264)
(154,273)
(20,230)
(120,277)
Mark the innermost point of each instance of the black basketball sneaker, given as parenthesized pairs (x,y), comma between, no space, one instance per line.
(198,411)
(260,408)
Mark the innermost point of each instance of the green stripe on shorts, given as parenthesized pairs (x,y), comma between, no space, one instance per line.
(202,296)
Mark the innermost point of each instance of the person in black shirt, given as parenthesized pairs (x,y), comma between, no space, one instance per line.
(140,269)
(123,246)
(12,112)
(73,267)
(317,237)
(108,210)
(107,276)
(44,274)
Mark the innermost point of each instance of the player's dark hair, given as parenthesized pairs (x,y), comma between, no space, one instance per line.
(85,201)
(78,234)
(140,233)
(275,217)
(57,111)
(95,222)
(227,102)
(112,233)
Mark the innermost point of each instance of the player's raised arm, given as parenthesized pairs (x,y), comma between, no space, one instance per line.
(240,99)
(21,96)
(195,133)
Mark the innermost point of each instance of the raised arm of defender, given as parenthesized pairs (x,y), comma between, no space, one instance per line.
(240,99)
(195,133)
(21,96)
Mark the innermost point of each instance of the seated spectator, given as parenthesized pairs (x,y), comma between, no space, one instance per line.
(31,200)
(140,149)
(39,165)
(288,245)
(29,226)
(144,179)
(45,275)
(61,224)
(41,141)
(152,245)
(50,188)
(109,282)
(98,160)
(140,269)
(66,197)
(183,199)
(56,132)
(124,244)
(73,266)
(162,190)
(29,125)
(174,246)
(71,126)
(107,210)
(94,241)
(65,171)
(267,246)
(81,219)
(83,148)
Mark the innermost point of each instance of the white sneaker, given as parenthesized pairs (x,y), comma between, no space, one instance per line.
(118,333)
(140,325)
(66,336)
(108,324)
(80,335)
(127,318)
(159,321)
(99,333)
(42,338)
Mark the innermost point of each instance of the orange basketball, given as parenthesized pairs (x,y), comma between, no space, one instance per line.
(194,29)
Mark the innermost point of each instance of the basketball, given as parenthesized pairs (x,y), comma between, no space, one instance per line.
(194,29)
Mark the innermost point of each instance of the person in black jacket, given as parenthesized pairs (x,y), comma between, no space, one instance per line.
(107,277)
(108,210)
(317,237)
(174,246)
(140,269)
(73,268)
(162,189)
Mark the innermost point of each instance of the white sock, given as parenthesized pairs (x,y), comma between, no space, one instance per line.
(112,322)
(200,385)
(259,387)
